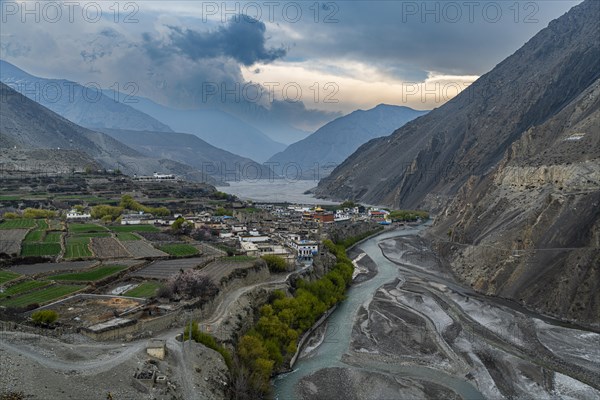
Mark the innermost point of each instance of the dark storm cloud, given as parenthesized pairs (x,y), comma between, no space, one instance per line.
(408,38)
(242,39)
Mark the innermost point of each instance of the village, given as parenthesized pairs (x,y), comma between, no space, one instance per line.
(110,263)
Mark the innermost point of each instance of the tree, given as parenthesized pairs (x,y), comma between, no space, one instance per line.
(106,212)
(181,226)
(275,263)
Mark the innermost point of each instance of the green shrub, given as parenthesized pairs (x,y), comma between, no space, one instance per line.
(275,263)
(38,213)
(44,317)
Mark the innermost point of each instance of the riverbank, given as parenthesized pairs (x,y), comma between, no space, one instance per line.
(412,323)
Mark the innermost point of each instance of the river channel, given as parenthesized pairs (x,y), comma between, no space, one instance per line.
(416,327)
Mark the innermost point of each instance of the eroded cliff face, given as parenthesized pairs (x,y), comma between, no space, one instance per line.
(530,229)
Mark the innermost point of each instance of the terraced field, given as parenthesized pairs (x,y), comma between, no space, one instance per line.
(108,247)
(6,276)
(40,249)
(40,268)
(85,228)
(39,242)
(52,237)
(21,223)
(90,275)
(134,228)
(163,269)
(179,250)
(23,287)
(42,296)
(77,247)
(142,249)
(126,236)
(146,289)
(10,241)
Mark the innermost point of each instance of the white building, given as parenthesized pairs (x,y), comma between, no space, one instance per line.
(74,214)
(305,249)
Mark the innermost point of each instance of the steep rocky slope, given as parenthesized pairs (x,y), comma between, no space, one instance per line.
(322,151)
(26,125)
(426,161)
(530,230)
(512,167)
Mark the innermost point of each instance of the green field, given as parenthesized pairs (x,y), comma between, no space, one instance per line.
(84,228)
(92,234)
(77,247)
(91,275)
(56,225)
(40,249)
(146,289)
(134,228)
(10,198)
(34,236)
(41,296)
(41,224)
(21,223)
(52,237)
(24,287)
(6,276)
(127,236)
(179,250)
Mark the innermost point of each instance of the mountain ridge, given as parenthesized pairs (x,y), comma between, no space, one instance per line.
(336,140)
(75,102)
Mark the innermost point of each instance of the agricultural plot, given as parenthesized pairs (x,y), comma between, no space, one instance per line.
(52,237)
(134,228)
(158,237)
(142,249)
(42,296)
(77,247)
(90,275)
(21,223)
(107,247)
(146,289)
(224,266)
(34,236)
(10,242)
(42,225)
(42,268)
(23,287)
(163,269)
(86,228)
(35,243)
(179,250)
(55,225)
(92,235)
(6,276)
(126,236)
(40,249)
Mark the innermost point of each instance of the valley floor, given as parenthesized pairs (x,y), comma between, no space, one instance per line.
(422,335)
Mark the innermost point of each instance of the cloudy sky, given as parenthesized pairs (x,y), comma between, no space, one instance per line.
(320,57)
